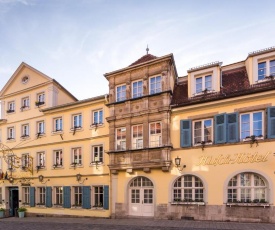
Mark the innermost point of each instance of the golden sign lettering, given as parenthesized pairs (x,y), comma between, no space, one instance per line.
(238,158)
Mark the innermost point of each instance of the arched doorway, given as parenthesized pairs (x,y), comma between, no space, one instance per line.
(141,197)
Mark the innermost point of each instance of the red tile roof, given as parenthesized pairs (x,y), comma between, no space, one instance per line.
(145,58)
(234,83)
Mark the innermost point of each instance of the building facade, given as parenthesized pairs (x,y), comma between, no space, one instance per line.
(194,147)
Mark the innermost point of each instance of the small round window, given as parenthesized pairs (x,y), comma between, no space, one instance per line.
(25,79)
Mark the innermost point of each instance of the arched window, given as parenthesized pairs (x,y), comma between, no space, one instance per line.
(247,187)
(188,188)
(141,181)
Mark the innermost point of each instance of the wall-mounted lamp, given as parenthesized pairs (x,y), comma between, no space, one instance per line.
(78,178)
(177,163)
(41,179)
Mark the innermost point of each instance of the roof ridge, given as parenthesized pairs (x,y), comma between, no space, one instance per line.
(145,58)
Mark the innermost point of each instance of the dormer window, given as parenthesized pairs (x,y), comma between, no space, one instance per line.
(266,69)
(203,84)
(121,93)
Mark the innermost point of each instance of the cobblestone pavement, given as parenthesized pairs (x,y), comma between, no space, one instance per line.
(42,223)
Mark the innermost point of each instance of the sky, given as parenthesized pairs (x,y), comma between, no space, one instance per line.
(77,41)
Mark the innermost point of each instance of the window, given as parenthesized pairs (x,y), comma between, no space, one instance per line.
(25,131)
(11,162)
(58,159)
(40,127)
(251,124)
(40,99)
(58,124)
(76,156)
(25,160)
(266,68)
(137,136)
(11,133)
(26,195)
(137,89)
(121,138)
(155,134)
(188,188)
(203,84)
(58,195)
(41,198)
(98,196)
(247,187)
(97,154)
(97,117)
(11,107)
(203,131)
(77,121)
(155,85)
(25,103)
(121,93)
(77,199)
(41,159)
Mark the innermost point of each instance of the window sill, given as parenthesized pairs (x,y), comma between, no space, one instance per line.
(250,139)
(58,167)
(57,132)
(187,203)
(11,140)
(58,206)
(206,143)
(248,204)
(97,126)
(78,129)
(11,112)
(203,93)
(77,166)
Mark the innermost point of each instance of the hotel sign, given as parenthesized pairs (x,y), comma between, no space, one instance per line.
(237,158)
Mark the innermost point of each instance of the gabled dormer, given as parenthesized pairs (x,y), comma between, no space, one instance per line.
(204,79)
(28,90)
(260,65)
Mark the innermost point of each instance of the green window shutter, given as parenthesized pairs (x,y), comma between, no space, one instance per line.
(233,127)
(49,197)
(86,192)
(67,196)
(106,197)
(185,133)
(220,128)
(271,122)
(32,196)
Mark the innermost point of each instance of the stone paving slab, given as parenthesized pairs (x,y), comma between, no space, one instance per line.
(41,223)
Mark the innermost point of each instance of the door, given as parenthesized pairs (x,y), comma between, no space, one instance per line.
(141,197)
(13,201)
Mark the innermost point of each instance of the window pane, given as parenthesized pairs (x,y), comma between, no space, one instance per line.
(261,70)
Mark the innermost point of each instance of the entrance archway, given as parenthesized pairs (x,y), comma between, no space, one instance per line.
(141,197)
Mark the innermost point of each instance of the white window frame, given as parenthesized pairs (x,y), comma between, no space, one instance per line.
(41,159)
(40,99)
(202,135)
(77,156)
(25,131)
(157,89)
(25,103)
(204,89)
(121,96)
(97,154)
(41,196)
(58,158)
(41,131)
(181,189)
(267,69)
(139,89)
(11,107)
(235,183)
(77,121)
(77,199)
(11,133)
(248,138)
(97,117)
(121,142)
(58,124)
(137,142)
(25,160)
(153,142)
(58,192)
(98,196)
(25,195)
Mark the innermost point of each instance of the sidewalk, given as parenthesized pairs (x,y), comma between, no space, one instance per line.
(162,224)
